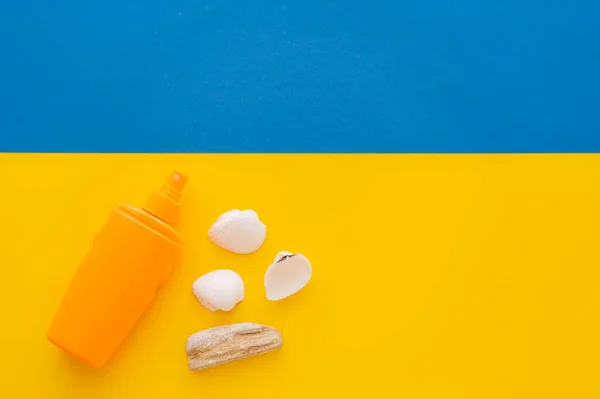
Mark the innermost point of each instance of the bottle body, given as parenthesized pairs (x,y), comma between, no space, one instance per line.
(132,255)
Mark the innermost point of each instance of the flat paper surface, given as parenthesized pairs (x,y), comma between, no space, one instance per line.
(441,276)
(225,76)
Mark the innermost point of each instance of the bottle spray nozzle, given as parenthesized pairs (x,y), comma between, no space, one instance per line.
(164,202)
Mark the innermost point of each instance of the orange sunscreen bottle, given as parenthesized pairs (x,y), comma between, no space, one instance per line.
(132,255)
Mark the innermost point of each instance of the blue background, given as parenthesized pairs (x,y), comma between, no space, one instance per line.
(300,76)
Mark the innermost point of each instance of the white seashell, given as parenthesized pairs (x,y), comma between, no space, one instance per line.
(238,231)
(287,275)
(281,255)
(219,290)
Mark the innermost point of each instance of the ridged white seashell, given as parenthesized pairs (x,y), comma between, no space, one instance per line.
(219,290)
(238,231)
(287,275)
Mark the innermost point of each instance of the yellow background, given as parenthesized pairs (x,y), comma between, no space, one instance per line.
(435,276)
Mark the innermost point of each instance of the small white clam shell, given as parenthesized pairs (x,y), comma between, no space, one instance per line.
(237,231)
(219,290)
(281,255)
(287,275)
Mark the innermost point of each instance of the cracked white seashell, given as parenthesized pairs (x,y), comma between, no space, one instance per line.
(287,275)
(237,231)
(219,290)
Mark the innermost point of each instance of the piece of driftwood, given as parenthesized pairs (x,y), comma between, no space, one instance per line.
(224,344)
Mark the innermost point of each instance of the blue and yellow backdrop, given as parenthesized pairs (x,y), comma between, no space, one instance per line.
(436,160)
